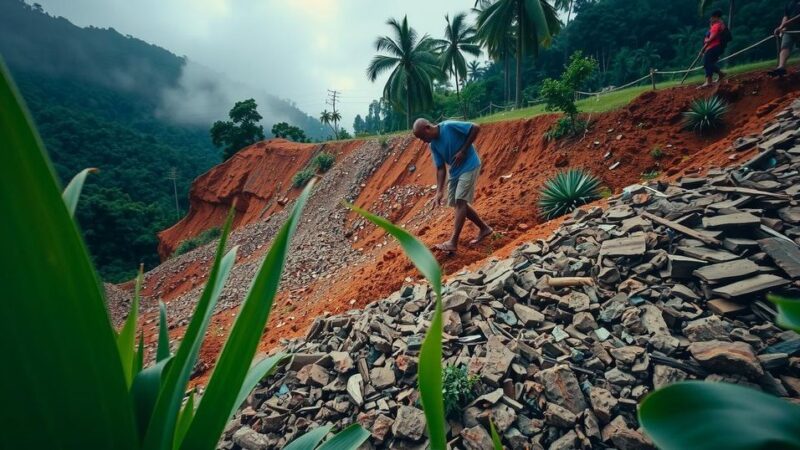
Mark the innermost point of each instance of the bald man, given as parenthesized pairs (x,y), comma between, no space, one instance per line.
(451,146)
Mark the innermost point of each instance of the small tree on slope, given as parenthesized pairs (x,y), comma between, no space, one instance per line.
(239,132)
(559,95)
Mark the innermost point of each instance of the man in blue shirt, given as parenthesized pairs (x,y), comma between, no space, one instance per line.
(451,146)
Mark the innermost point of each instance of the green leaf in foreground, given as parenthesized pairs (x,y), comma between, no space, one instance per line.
(72,193)
(788,311)
(263,368)
(430,359)
(309,440)
(184,420)
(498,445)
(127,335)
(162,351)
(709,416)
(165,415)
(231,369)
(349,438)
(58,346)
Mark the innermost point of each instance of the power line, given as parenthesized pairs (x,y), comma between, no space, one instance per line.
(173,175)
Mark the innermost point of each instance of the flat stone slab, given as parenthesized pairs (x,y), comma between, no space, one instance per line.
(750,286)
(627,246)
(727,271)
(786,254)
(727,221)
(682,266)
(708,254)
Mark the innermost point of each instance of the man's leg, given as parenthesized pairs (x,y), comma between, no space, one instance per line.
(787,42)
(483,229)
(460,216)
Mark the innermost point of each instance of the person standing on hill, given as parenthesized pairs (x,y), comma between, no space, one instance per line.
(714,46)
(790,23)
(451,146)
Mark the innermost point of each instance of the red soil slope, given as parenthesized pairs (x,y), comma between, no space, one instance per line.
(257,179)
(516,161)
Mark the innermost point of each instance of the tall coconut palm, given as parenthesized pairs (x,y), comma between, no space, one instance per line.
(704,4)
(533,22)
(474,70)
(566,6)
(335,118)
(499,48)
(414,65)
(459,38)
(327,118)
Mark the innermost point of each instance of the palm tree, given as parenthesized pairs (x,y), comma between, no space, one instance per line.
(564,5)
(459,38)
(499,48)
(414,65)
(704,4)
(474,70)
(534,22)
(335,118)
(326,117)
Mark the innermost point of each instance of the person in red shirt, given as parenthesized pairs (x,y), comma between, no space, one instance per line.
(713,49)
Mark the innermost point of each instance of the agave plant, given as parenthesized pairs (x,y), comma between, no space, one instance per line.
(567,191)
(72,381)
(705,114)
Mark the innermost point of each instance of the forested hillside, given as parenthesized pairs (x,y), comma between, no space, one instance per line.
(96,97)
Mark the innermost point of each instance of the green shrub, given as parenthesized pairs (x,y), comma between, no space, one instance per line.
(559,95)
(458,389)
(567,191)
(383,141)
(652,175)
(200,240)
(107,396)
(324,161)
(705,114)
(302,178)
(657,153)
(566,127)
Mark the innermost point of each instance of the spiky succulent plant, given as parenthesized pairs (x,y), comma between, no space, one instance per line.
(705,114)
(566,191)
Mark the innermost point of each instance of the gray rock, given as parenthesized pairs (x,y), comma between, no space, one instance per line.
(566,442)
(528,316)
(561,387)
(382,377)
(559,416)
(664,375)
(584,322)
(476,438)
(624,438)
(603,403)
(727,357)
(707,329)
(409,423)
(249,439)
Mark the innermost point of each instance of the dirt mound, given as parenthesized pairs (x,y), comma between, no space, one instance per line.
(346,263)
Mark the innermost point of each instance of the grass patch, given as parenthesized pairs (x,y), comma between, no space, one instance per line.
(323,161)
(302,177)
(656,153)
(652,175)
(200,240)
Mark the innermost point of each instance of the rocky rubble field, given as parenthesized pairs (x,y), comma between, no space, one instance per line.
(568,335)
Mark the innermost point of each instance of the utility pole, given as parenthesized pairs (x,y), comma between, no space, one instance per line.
(173,175)
(332,94)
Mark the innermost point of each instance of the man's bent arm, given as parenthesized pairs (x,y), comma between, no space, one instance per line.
(473,134)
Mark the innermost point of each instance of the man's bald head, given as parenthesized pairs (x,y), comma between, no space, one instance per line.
(424,130)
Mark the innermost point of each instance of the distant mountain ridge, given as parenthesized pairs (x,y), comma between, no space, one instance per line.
(101,99)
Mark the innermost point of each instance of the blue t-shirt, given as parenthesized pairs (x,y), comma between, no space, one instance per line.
(452,135)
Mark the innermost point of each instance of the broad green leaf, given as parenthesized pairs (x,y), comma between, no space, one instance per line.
(263,368)
(184,420)
(710,416)
(144,391)
(496,442)
(73,190)
(139,364)
(127,336)
(58,346)
(309,440)
(160,433)
(231,368)
(163,333)
(348,439)
(788,312)
(430,358)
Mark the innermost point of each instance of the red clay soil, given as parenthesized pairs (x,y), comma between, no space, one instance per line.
(257,179)
(516,158)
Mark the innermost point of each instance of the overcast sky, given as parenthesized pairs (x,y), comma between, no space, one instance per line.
(296,49)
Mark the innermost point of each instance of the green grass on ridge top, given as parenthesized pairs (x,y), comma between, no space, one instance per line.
(618,99)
